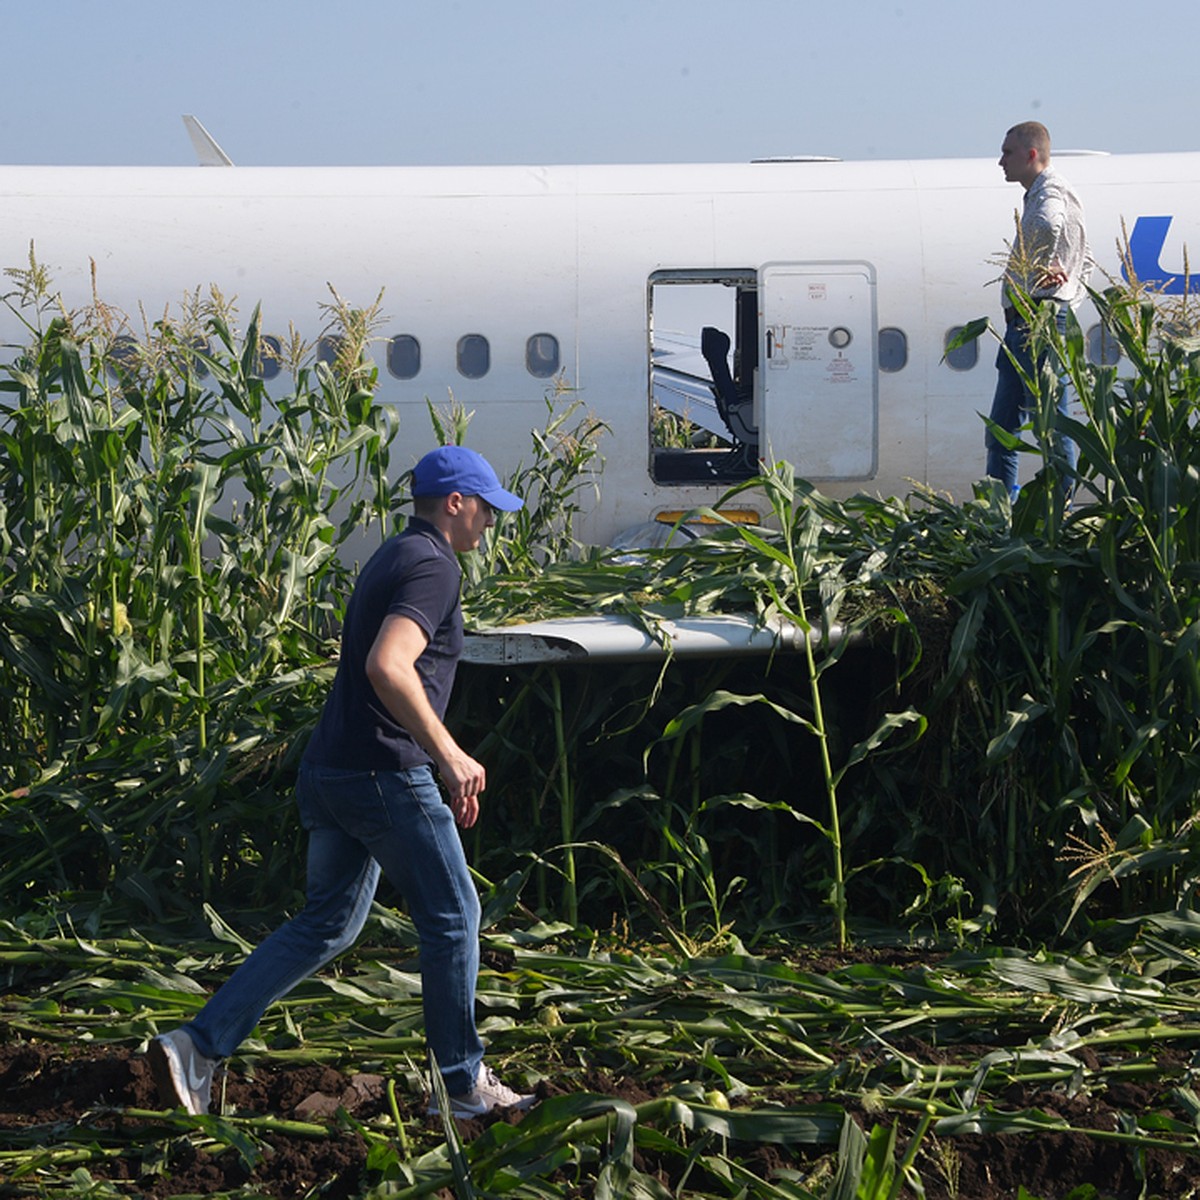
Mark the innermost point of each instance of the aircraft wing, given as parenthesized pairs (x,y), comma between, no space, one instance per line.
(578,639)
(682,384)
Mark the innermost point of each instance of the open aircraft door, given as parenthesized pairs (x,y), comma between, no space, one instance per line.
(819,400)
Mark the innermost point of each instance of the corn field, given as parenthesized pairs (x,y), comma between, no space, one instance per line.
(993,765)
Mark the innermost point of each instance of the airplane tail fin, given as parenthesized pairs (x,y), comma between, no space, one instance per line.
(208,152)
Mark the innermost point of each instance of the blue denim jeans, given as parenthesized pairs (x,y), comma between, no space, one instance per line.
(1012,405)
(358,823)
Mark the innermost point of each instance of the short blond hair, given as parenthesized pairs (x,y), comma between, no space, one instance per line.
(1033,135)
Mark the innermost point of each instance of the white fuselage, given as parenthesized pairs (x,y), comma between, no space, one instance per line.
(825,254)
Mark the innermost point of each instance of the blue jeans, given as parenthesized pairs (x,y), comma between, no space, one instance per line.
(1013,403)
(358,823)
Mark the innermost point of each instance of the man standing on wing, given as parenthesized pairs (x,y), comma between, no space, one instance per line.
(369,801)
(1050,263)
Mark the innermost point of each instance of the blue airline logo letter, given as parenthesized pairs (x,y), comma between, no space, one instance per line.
(1145,249)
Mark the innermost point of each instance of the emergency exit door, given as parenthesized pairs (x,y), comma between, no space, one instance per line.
(819,403)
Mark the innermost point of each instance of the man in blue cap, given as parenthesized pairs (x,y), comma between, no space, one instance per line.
(369,801)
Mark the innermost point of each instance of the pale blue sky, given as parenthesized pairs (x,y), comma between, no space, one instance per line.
(561,81)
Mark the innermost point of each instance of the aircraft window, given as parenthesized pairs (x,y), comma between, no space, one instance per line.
(328,349)
(404,356)
(1103,349)
(122,354)
(542,355)
(270,357)
(198,364)
(966,356)
(893,350)
(474,356)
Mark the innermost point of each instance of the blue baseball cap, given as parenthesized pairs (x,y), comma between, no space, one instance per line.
(457,469)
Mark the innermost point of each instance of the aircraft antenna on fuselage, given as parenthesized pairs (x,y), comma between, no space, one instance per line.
(205,145)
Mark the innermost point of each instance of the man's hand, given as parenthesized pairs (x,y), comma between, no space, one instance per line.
(465,810)
(1052,277)
(465,780)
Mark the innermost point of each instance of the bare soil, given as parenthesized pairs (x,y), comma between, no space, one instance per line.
(48,1090)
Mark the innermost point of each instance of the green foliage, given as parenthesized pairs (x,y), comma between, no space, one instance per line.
(169,582)
(669,430)
(560,483)
(1082,624)
(1047,649)
(990,719)
(728,1074)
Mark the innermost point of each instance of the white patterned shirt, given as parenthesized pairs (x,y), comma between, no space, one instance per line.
(1050,233)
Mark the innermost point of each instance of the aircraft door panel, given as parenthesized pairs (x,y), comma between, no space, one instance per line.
(818,403)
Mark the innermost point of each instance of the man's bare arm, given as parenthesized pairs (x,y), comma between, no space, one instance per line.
(392,671)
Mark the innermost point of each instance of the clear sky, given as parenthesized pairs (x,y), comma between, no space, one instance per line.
(564,81)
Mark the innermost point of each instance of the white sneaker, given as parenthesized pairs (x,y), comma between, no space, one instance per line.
(183,1075)
(487,1094)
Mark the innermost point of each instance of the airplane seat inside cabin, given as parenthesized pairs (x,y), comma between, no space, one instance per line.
(737,411)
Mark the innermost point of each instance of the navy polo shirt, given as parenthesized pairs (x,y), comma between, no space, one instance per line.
(414,574)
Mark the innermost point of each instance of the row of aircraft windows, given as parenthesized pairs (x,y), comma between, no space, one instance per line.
(1102,349)
(473,353)
(542,356)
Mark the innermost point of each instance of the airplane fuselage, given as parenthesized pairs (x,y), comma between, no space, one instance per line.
(838,284)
